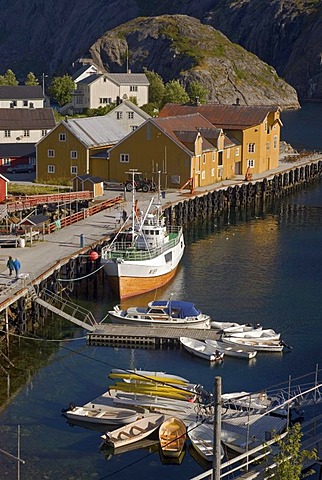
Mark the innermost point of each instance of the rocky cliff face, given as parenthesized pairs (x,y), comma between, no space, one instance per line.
(181,47)
(48,36)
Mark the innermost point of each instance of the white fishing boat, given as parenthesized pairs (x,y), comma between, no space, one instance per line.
(201,349)
(102,414)
(172,313)
(254,344)
(202,438)
(133,432)
(144,256)
(147,375)
(245,433)
(231,351)
(266,335)
(172,437)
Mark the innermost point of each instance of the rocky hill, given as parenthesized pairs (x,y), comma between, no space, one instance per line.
(181,47)
(47,36)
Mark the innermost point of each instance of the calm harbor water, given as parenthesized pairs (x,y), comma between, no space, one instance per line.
(263,268)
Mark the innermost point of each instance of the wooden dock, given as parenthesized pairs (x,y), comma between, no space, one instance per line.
(145,336)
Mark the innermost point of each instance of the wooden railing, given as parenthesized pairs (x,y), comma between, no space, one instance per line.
(25,202)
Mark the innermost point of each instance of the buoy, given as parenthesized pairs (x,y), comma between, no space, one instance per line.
(93,256)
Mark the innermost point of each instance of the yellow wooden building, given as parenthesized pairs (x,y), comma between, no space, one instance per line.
(77,146)
(257,129)
(181,148)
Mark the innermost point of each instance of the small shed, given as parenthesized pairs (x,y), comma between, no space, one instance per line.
(3,188)
(35,220)
(88,182)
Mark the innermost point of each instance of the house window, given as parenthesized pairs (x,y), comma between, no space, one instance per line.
(13,104)
(105,100)
(220,159)
(204,158)
(73,154)
(73,169)
(130,115)
(275,142)
(7,161)
(268,145)
(119,115)
(133,88)
(228,153)
(25,103)
(251,163)
(51,168)
(62,137)
(26,133)
(50,153)
(237,152)
(213,156)
(251,147)
(105,79)
(32,160)
(43,132)
(124,158)
(7,133)
(31,105)
(203,175)
(134,127)
(220,172)
(212,172)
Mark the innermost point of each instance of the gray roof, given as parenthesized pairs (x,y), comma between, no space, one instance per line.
(17,150)
(119,78)
(89,177)
(27,119)
(90,79)
(94,131)
(21,92)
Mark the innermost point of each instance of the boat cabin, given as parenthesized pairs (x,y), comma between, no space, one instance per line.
(153,233)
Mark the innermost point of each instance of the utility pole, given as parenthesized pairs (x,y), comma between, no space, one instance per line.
(217,430)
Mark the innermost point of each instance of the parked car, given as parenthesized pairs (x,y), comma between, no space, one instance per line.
(22,168)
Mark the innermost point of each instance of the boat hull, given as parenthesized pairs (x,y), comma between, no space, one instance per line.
(103,415)
(202,323)
(131,278)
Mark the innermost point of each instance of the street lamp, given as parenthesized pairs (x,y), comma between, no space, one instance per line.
(43,83)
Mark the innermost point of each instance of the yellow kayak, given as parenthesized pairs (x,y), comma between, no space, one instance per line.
(145,376)
(150,389)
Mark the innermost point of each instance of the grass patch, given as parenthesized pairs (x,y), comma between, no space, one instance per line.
(19,189)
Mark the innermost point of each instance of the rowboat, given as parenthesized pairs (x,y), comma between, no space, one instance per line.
(201,349)
(231,351)
(172,437)
(102,415)
(202,438)
(253,344)
(172,313)
(216,325)
(240,436)
(133,432)
(266,335)
(146,375)
(241,328)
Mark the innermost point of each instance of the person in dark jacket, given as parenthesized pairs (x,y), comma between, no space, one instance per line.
(17,267)
(11,265)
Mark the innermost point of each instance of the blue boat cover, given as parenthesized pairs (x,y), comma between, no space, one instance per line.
(177,308)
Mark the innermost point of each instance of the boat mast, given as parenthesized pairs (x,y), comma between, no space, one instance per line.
(133,172)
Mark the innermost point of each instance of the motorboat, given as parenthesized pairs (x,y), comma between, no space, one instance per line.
(172,437)
(172,313)
(102,414)
(145,253)
(201,436)
(134,432)
(254,344)
(230,351)
(201,349)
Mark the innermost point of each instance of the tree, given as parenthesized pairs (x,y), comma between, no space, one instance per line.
(151,109)
(156,88)
(9,78)
(31,79)
(197,90)
(61,88)
(174,92)
(290,459)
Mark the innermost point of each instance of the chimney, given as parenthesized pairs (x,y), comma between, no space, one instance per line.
(237,102)
(197,101)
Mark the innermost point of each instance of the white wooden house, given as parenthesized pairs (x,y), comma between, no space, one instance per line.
(21,96)
(128,115)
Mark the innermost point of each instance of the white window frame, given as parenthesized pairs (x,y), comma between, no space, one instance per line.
(44,132)
(73,169)
(237,152)
(32,160)
(275,142)
(74,154)
(212,172)
(251,147)
(7,133)
(119,115)
(250,163)
(6,161)
(133,88)
(51,169)
(124,158)
(228,153)
(203,174)
(51,153)
(130,115)
(62,137)
(268,145)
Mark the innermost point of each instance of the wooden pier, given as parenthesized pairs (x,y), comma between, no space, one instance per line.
(146,336)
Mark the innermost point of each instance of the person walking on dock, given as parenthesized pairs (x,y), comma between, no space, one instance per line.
(17,266)
(11,265)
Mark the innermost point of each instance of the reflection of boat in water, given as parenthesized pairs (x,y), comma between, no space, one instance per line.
(147,375)
(166,460)
(151,444)
(146,256)
(172,313)
(172,437)
(201,349)
(231,351)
